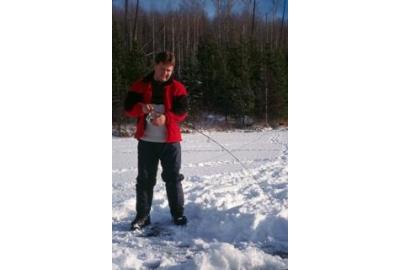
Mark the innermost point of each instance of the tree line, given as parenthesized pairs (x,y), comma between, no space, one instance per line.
(233,64)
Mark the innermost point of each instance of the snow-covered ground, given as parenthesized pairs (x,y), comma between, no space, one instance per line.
(238,218)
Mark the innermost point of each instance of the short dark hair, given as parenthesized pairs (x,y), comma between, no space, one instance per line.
(165,57)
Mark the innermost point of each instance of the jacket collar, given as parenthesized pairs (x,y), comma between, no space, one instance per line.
(150,76)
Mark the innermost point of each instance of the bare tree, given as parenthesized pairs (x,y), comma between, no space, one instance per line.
(164,36)
(217,4)
(153,38)
(126,30)
(253,20)
(173,34)
(135,21)
(283,20)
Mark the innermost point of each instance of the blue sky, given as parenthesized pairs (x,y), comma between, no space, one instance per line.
(160,5)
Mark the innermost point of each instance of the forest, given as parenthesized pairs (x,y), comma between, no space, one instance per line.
(234,64)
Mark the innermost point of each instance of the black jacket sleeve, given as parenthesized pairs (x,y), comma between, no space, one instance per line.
(131,99)
(180,104)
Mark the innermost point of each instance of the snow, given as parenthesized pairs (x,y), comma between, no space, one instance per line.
(238,216)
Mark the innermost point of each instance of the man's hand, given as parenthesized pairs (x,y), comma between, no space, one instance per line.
(158,119)
(146,108)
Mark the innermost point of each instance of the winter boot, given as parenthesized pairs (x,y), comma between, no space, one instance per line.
(140,222)
(180,221)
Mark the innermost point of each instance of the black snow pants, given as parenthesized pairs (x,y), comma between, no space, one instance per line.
(149,154)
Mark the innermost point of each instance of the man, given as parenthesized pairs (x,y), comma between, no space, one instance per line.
(159,103)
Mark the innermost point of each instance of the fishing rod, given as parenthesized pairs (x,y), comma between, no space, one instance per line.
(190,125)
(153,114)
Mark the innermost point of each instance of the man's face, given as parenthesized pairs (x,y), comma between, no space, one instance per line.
(163,71)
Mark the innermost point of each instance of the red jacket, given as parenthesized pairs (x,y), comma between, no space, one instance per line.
(175,103)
